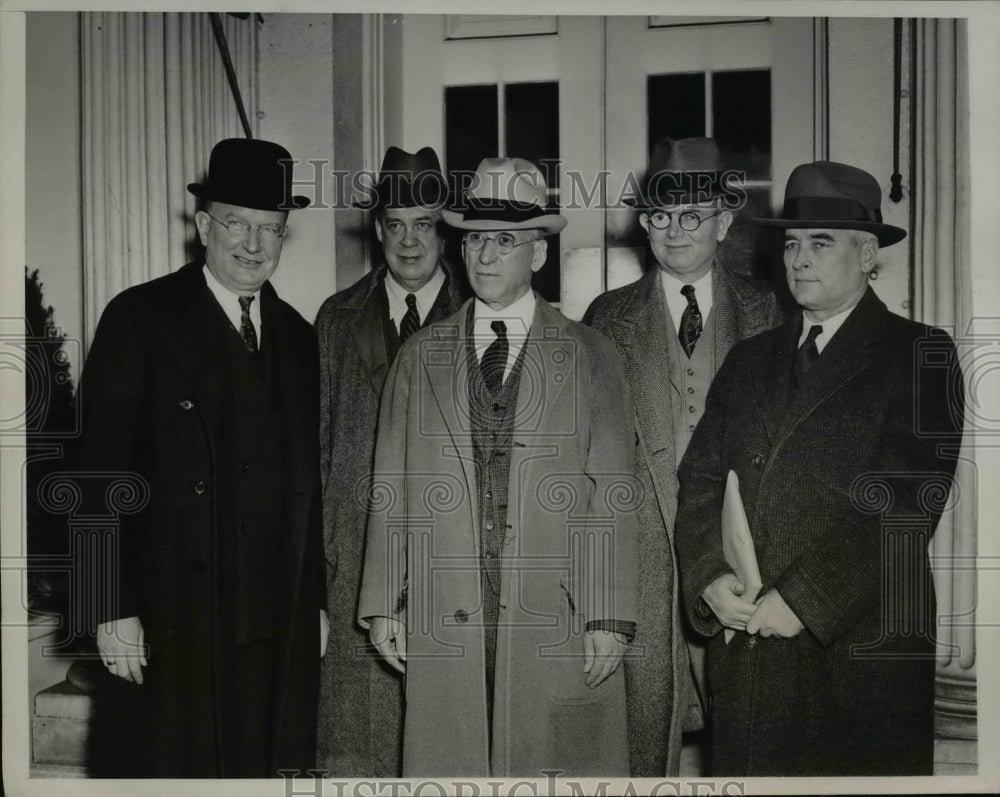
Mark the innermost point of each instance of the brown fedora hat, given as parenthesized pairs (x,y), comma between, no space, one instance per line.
(681,171)
(834,196)
(250,173)
(408,180)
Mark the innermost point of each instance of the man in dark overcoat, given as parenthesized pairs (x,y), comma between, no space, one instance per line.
(204,385)
(360,330)
(673,328)
(843,428)
(500,558)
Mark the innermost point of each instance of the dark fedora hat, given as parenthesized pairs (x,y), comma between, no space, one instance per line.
(250,173)
(407,181)
(682,171)
(834,196)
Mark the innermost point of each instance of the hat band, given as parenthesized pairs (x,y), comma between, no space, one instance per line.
(501,210)
(829,209)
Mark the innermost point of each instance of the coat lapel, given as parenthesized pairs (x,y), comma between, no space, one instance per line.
(366,331)
(641,337)
(725,313)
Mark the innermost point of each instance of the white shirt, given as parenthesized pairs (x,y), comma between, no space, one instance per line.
(426,296)
(517,316)
(230,304)
(677,302)
(830,327)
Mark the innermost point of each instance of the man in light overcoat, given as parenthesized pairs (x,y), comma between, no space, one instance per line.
(500,565)
(673,328)
(843,427)
(360,331)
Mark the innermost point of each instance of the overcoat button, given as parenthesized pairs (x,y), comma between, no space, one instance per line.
(199,488)
(489,525)
(758,460)
(186,405)
(461,616)
(197,567)
(244,467)
(752,642)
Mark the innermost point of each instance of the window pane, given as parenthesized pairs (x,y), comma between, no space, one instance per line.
(676,106)
(741,110)
(470,128)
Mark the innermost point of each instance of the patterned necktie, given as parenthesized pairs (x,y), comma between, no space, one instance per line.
(690,329)
(246,325)
(494,360)
(808,353)
(410,322)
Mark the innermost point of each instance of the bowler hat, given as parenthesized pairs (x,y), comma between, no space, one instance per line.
(506,194)
(681,171)
(250,173)
(834,196)
(408,180)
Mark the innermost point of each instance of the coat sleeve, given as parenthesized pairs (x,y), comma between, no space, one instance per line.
(840,580)
(326,359)
(383,583)
(113,396)
(702,478)
(612,570)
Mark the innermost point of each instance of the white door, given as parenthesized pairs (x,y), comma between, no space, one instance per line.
(585,95)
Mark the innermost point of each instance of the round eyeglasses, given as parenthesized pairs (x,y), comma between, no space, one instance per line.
(503,241)
(688,220)
(240,229)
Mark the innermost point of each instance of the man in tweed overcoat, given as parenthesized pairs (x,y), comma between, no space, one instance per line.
(843,427)
(360,331)
(685,218)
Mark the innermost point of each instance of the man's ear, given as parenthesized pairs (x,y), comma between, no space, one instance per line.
(541,248)
(378,228)
(726,218)
(869,256)
(644,221)
(202,221)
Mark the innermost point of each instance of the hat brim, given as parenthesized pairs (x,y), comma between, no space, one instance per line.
(206,192)
(549,223)
(887,234)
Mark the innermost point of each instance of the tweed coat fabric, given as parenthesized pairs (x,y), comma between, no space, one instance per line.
(569,554)
(158,404)
(360,711)
(843,480)
(658,678)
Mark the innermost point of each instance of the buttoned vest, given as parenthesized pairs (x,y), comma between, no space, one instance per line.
(691,378)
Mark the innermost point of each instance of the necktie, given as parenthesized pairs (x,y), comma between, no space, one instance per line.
(494,360)
(808,353)
(246,325)
(690,329)
(410,322)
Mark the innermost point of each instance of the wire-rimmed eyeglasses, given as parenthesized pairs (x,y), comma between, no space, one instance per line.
(689,220)
(240,229)
(503,241)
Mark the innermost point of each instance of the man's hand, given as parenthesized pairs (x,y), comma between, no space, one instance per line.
(324,632)
(773,617)
(389,638)
(723,598)
(602,653)
(121,644)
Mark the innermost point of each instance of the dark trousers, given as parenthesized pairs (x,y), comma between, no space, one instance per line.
(250,734)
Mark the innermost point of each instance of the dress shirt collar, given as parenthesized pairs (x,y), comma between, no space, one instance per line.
(426,296)
(517,316)
(230,304)
(677,302)
(830,326)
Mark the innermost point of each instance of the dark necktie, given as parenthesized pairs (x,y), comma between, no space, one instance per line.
(246,325)
(690,329)
(410,322)
(808,353)
(494,360)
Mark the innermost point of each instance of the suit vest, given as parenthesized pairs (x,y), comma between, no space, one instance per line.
(691,377)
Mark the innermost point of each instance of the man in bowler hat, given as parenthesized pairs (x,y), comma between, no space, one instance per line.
(500,560)
(843,427)
(204,384)
(673,328)
(360,331)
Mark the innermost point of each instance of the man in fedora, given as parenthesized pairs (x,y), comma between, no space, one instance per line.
(360,331)
(843,427)
(204,384)
(673,328)
(500,561)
